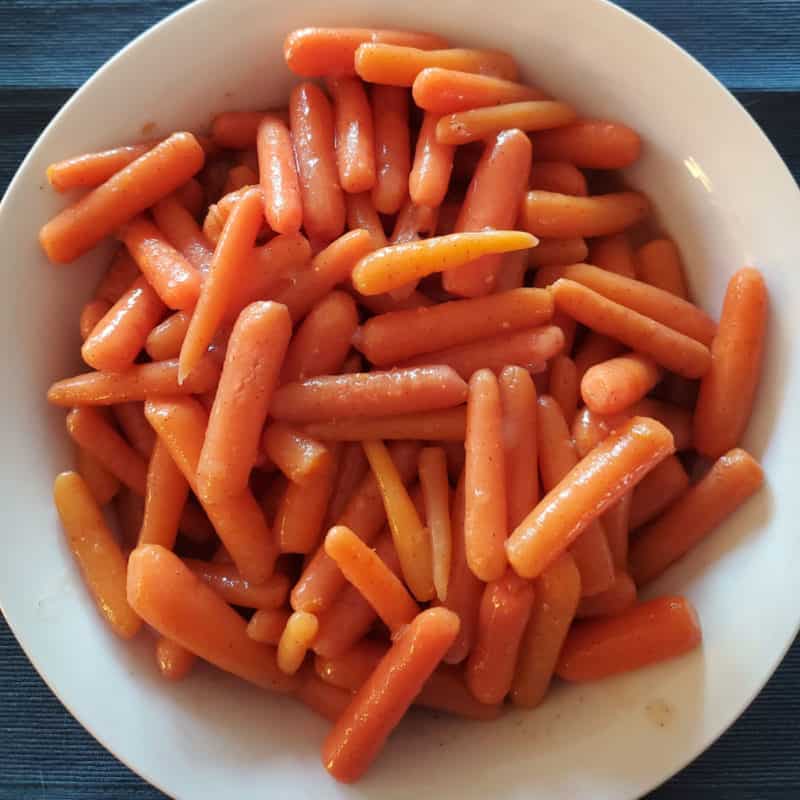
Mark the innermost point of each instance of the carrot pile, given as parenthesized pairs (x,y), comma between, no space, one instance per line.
(395,401)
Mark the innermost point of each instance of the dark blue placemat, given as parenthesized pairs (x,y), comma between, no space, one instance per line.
(49,47)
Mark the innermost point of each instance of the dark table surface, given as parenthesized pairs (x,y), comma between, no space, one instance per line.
(49,47)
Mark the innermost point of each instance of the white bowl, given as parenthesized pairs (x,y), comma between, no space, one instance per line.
(723,193)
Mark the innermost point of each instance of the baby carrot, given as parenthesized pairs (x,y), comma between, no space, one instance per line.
(102,484)
(659,264)
(312,52)
(556,595)
(312,135)
(192,195)
(397,335)
(727,391)
(554,252)
(355,136)
(359,734)
(91,169)
(91,314)
(137,383)
(98,555)
(492,201)
(174,662)
(329,397)
(165,498)
(178,225)
(446,425)
(174,601)
(394,266)
(481,123)
(395,65)
(558,176)
(433,164)
(563,385)
(361,213)
(236,590)
(232,251)
(645,634)
(616,384)
(486,511)
(298,456)
(512,272)
(240,176)
(165,339)
(267,625)
(411,224)
(238,130)
(411,540)
(595,349)
(297,636)
(587,490)
(620,596)
(352,467)
(446,91)
(616,524)
(351,669)
(436,494)
(278,175)
(323,699)
(731,480)
(562,216)
(657,491)
(613,253)
(666,346)
(252,366)
(153,175)
(392,147)
(593,144)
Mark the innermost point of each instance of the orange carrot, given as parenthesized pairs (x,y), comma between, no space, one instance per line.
(558,176)
(98,555)
(392,147)
(174,662)
(298,456)
(352,467)
(102,484)
(563,385)
(733,478)
(433,164)
(328,701)
(234,589)
(359,734)
(659,264)
(613,253)
(312,52)
(165,340)
(240,176)
(192,195)
(351,669)
(588,489)
(278,176)
(446,425)
(165,498)
(666,346)
(657,491)
(593,144)
(436,494)
(616,384)
(397,335)
(645,634)
(238,130)
(313,135)
(91,314)
(116,280)
(178,225)
(512,272)
(556,596)
(595,349)
(135,427)
(620,596)
(411,224)
(361,213)
(554,252)
(267,625)
(91,169)
(297,636)
(196,526)
(129,513)
(174,601)
(727,391)
(616,524)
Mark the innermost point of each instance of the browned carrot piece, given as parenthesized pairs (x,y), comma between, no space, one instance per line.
(558,176)
(102,484)
(616,384)
(557,252)
(91,169)
(267,625)
(98,555)
(278,176)
(182,231)
(645,634)
(165,498)
(594,144)
(392,147)
(153,175)
(620,596)
(298,456)
(436,494)
(657,491)
(433,164)
(659,264)
(613,253)
(616,523)
(446,425)
(174,662)
(563,385)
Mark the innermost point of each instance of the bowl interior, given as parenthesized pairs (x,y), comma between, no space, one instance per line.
(720,190)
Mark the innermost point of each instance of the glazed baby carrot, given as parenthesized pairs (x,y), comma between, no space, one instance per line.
(168,596)
(486,509)
(267,625)
(657,491)
(234,589)
(137,383)
(645,634)
(511,274)
(165,339)
(613,253)
(620,596)
(312,135)
(659,264)
(102,484)
(98,555)
(562,216)
(392,147)
(563,385)
(180,228)
(595,349)
(732,479)
(666,346)
(395,65)
(553,252)
(481,123)
(120,335)
(361,213)
(412,223)
(394,266)
(174,662)
(238,130)
(446,425)
(128,192)
(446,91)
(727,391)
(355,136)
(377,583)
(503,616)
(558,176)
(173,278)
(91,430)
(351,669)
(411,539)
(91,169)
(164,501)
(492,201)
(234,246)
(129,512)
(330,397)
(616,524)
(181,423)
(592,486)
(359,734)
(240,176)
(397,335)
(249,375)
(298,456)
(594,144)
(297,636)
(91,314)
(278,176)
(192,195)
(352,467)
(436,494)
(312,52)
(433,164)
(616,384)
(323,699)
